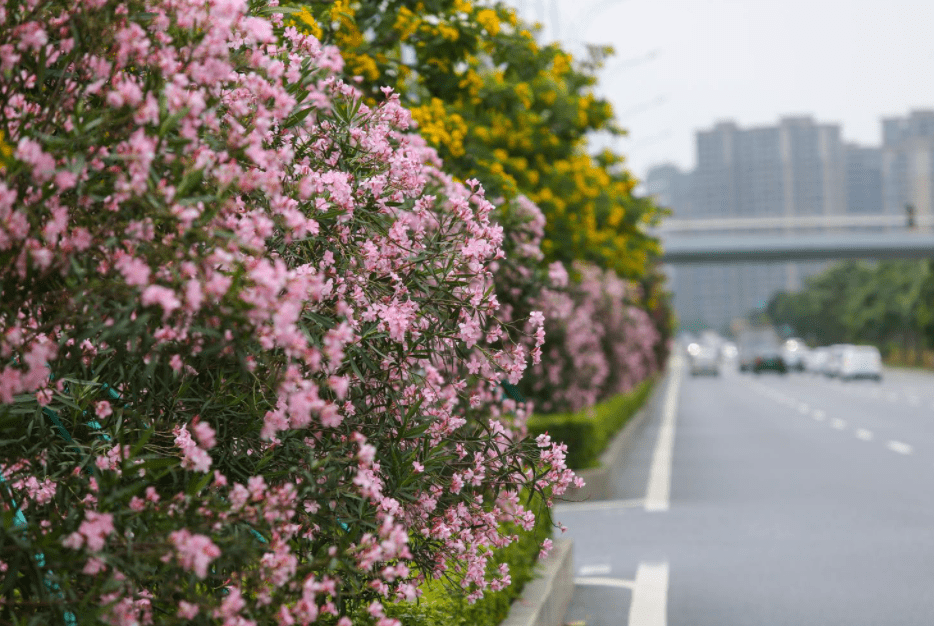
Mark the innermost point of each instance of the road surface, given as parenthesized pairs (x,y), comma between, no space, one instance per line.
(767,500)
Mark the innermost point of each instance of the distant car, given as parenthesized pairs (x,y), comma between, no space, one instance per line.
(816,360)
(794,351)
(834,360)
(860,362)
(768,358)
(705,360)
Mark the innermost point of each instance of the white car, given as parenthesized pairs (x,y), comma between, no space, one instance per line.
(794,351)
(860,362)
(704,360)
(816,360)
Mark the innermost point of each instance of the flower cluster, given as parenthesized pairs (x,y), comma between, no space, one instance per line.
(251,346)
(600,339)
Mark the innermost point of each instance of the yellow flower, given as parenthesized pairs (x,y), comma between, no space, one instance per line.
(406,24)
(309,21)
(471,82)
(489,20)
(362,65)
(441,128)
(448,32)
(562,64)
(462,6)
(524,93)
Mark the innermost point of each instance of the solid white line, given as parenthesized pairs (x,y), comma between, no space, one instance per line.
(658,493)
(605,582)
(601,505)
(838,423)
(865,435)
(900,447)
(594,570)
(650,596)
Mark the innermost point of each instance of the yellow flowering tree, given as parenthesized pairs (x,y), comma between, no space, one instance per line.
(503,109)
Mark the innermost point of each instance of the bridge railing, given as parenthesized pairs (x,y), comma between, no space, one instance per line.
(796,222)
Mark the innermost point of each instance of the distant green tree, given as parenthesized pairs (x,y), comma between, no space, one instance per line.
(889,304)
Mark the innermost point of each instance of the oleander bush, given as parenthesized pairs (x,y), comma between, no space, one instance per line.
(439,607)
(251,347)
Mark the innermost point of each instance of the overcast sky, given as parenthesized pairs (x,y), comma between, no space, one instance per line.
(682,65)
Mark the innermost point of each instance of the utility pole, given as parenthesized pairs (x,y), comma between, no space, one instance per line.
(910,216)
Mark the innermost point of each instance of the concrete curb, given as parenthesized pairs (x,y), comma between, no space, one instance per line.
(598,485)
(545,600)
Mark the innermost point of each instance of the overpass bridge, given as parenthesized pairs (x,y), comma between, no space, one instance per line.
(806,238)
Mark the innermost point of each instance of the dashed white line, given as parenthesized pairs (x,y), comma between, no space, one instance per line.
(818,415)
(594,570)
(597,581)
(892,397)
(865,435)
(838,423)
(914,400)
(601,505)
(899,446)
(803,408)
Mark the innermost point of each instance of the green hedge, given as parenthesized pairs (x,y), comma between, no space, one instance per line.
(440,607)
(587,433)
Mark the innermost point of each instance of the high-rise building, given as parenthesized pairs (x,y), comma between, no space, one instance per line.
(796,168)
(908,163)
(671,187)
(863,180)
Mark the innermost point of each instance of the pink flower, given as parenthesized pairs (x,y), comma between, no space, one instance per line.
(162,296)
(103,409)
(194,552)
(187,610)
(92,531)
(546,548)
(205,435)
(135,272)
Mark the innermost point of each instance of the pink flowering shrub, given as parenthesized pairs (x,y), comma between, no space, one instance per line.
(600,340)
(251,349)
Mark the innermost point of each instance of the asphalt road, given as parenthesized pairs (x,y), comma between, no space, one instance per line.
(767,500)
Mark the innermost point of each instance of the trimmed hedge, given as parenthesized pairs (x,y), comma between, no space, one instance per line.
(440,606)
(588,432)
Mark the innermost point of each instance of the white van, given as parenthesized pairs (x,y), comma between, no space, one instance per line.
(860,362)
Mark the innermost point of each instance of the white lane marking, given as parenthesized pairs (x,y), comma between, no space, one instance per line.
(900,447)
(893,397)
(914,400)
(602,505)
(865,435)
(594,570)
(838,423)
(605,582)
(658,493)
(649,605)
(818,415)
(803,408)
